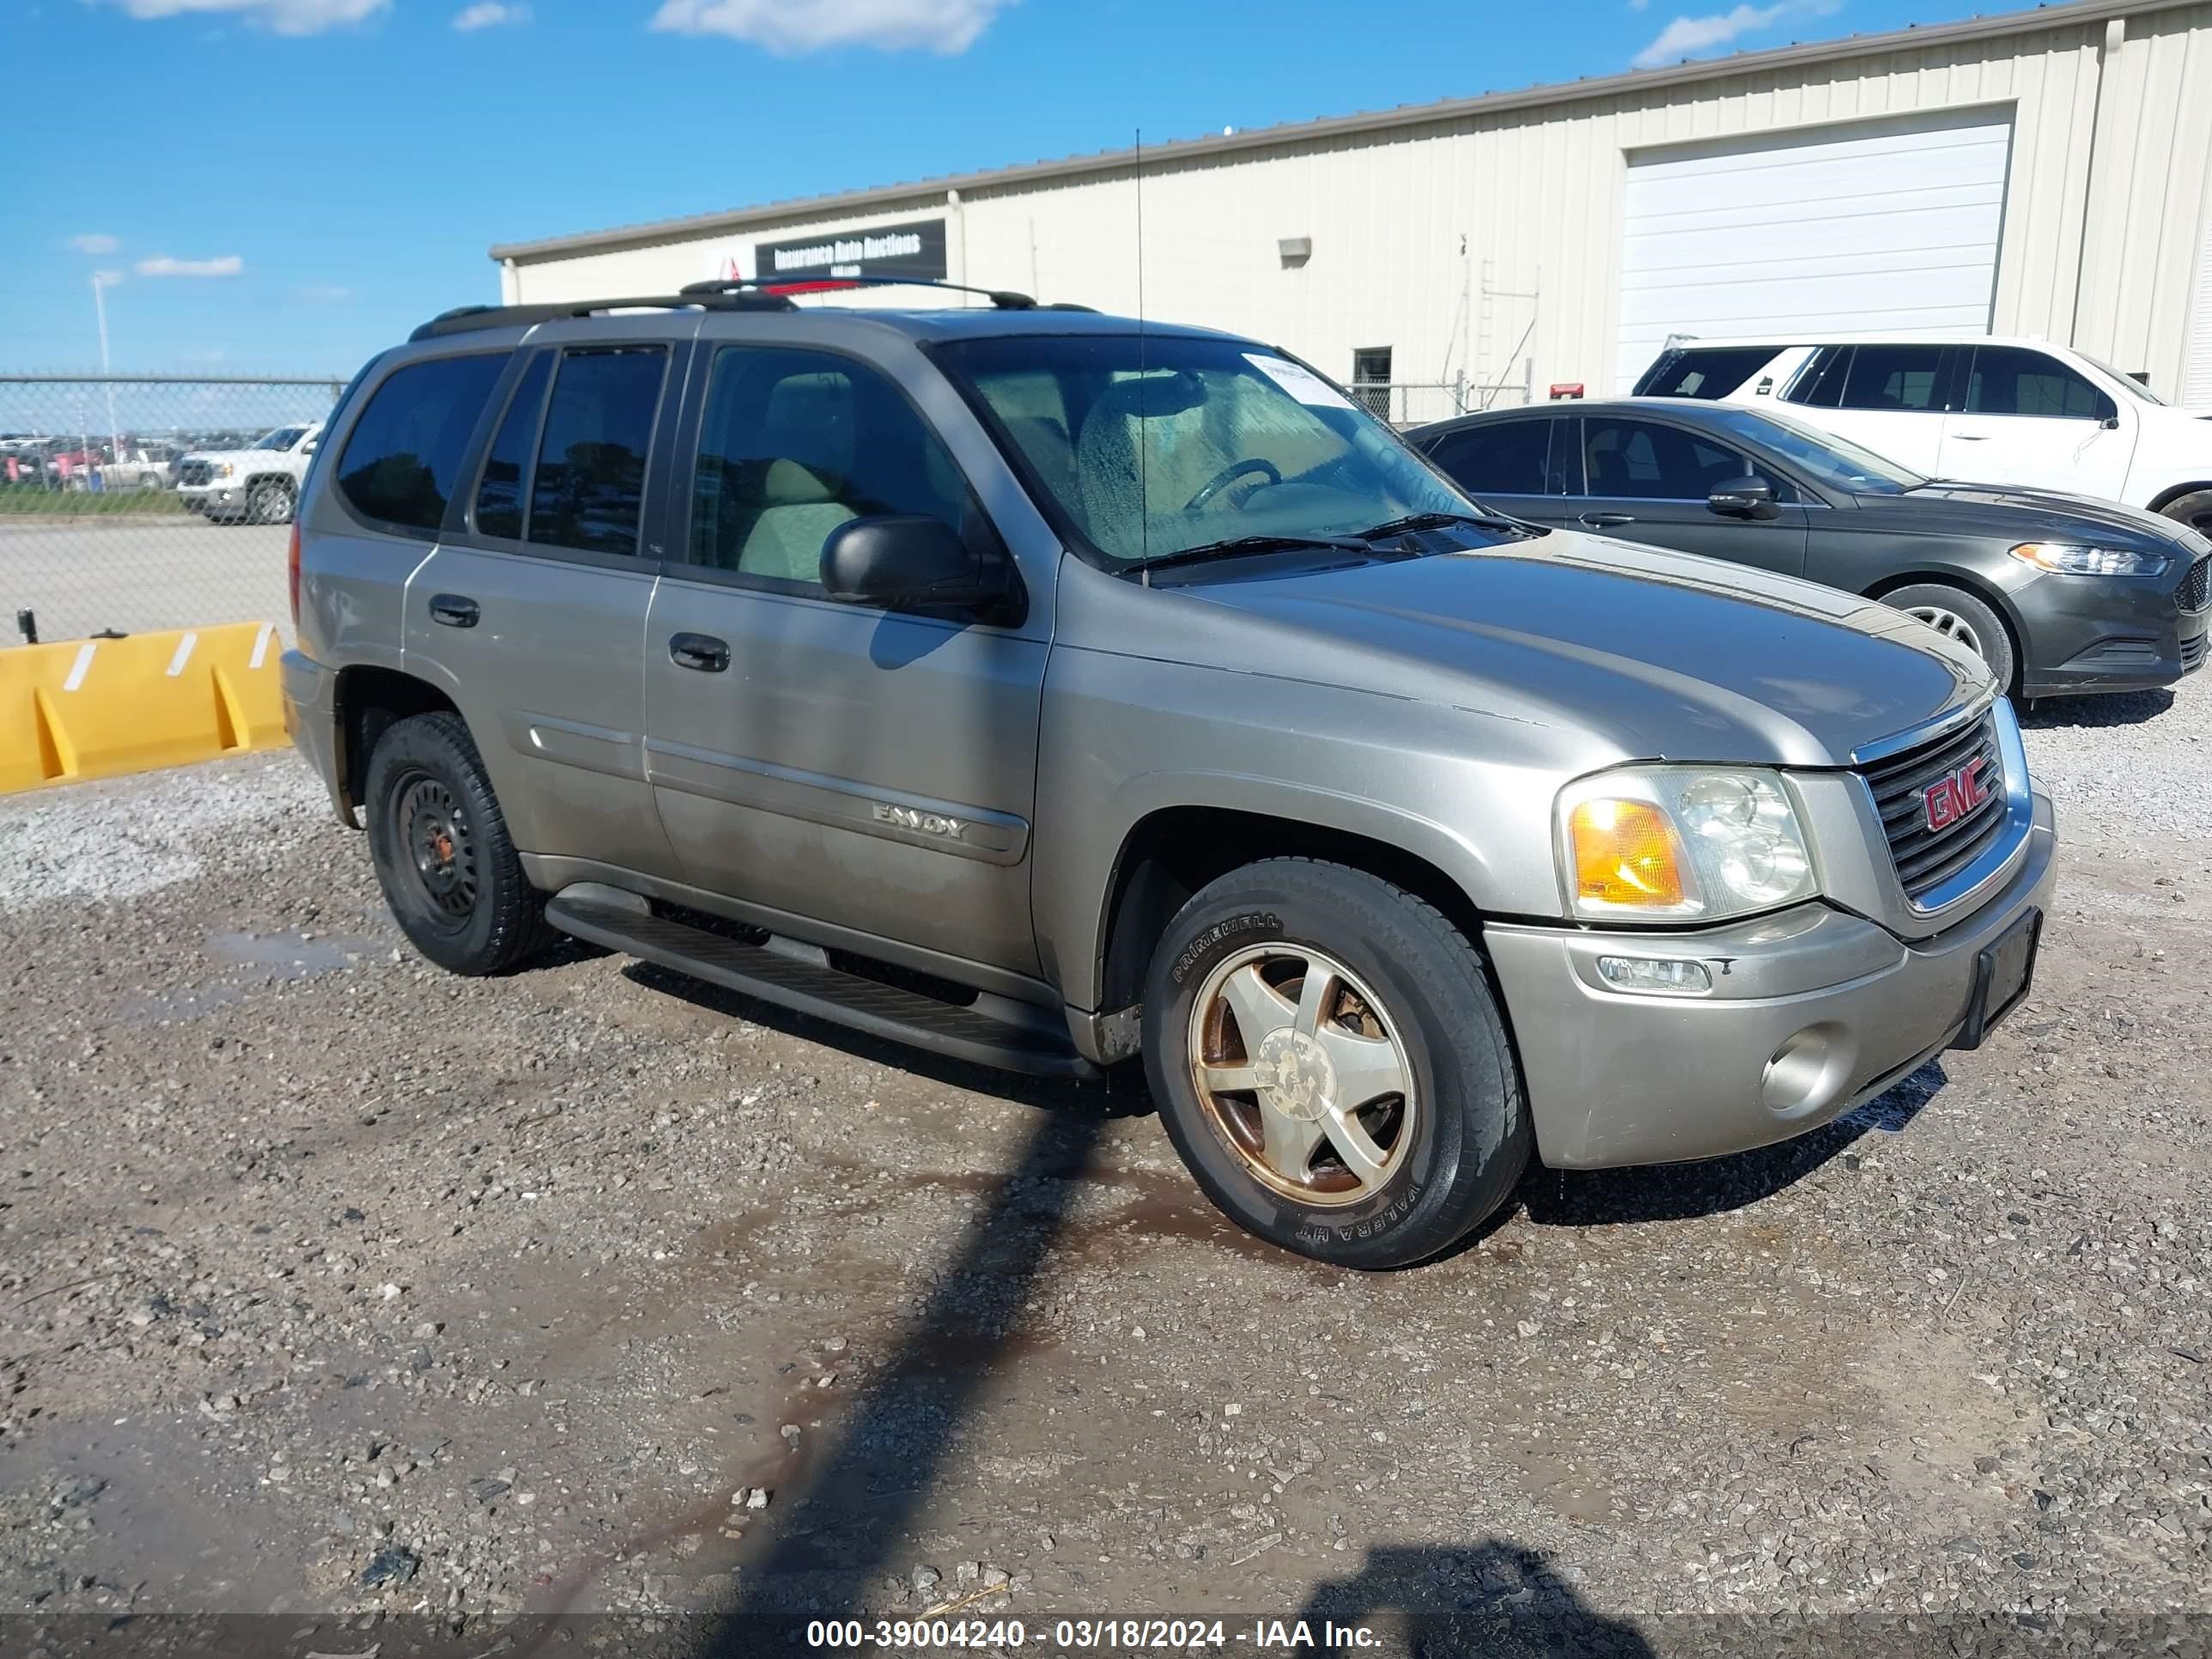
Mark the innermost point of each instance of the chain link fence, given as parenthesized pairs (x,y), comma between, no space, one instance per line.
(1416,403)
(133,502)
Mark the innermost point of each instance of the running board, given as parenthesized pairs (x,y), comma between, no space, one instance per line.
(790,980)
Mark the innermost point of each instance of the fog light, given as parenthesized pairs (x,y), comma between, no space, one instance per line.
(1666,975)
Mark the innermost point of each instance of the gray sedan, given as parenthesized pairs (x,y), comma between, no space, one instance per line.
(2059,593)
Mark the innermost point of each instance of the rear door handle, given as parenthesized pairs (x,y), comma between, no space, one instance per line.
(1972,437)
(453,609)
(700,651)
(1605,520)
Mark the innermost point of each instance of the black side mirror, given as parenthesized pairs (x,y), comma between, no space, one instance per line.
(904,559)
(1743,498)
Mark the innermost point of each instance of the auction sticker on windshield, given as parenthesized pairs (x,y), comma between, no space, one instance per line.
(1299,381)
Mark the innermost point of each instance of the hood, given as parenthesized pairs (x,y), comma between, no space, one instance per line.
(2003,510)
(1667,656)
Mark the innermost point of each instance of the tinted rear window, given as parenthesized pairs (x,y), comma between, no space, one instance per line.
(1506,458)
(403,455)
(1702,371)
(590,484)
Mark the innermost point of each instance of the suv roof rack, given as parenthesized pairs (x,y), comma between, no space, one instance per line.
(463,319)
(1005,299)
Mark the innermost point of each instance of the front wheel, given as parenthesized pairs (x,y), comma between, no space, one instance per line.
(1331,1064)
(269,502)
(442,854)
(1958,615)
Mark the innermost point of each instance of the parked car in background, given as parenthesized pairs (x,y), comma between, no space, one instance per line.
(1048,691)
(256,484)
(1988,410)
(2059,594)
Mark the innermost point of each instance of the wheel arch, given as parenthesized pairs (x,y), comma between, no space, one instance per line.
(2167,498)
(366,699)
(1988,593)
(1172,851)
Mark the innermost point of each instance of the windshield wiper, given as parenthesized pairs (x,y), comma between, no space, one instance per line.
(1414,521)
(1238,546)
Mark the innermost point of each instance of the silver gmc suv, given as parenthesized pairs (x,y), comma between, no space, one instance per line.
(1047,689)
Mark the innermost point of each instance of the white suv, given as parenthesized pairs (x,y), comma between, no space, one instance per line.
(1980,411)
(258,484)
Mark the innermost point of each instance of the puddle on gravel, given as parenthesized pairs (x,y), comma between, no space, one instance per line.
(293,955)
(288,955)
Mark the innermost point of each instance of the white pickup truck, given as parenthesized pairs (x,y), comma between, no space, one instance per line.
(258,484)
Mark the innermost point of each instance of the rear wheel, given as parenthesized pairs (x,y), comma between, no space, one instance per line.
(1958,615)
(442,854)
(2194,509)
(1331,1064)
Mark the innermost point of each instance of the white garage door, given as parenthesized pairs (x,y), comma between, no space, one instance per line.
(2196,370)
(1892,228)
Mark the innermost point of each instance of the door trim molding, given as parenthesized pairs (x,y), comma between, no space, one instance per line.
(940,826)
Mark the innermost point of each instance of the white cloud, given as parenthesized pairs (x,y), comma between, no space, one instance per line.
(328,293)
(790,27)
(281,16)
(1687,37)
(490,13)
(229,265)
(95,242)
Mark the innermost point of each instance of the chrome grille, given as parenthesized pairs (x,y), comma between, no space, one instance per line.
(1926,858)
(2196,586)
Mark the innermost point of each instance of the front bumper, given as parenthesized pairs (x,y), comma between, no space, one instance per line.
(311,721)
(2111,635)
(1616,1078)
(215,500)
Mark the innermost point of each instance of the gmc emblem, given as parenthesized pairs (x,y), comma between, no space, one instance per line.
(1954,795)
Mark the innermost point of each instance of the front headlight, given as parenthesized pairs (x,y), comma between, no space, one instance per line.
(1681,842)
(2073,559)
(222,469)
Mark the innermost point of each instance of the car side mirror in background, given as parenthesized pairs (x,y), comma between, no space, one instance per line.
(896,559)
(1743,498)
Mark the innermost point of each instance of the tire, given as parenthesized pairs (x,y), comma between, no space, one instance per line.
(1958,615)
(1408,1001)
(2194,509)
(269,502)
(441,851)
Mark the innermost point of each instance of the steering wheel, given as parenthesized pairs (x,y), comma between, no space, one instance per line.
(1229,475)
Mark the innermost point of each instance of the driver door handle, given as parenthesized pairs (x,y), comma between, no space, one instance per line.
(700,651)
(1605,520)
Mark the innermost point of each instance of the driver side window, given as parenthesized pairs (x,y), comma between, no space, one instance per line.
(793,444)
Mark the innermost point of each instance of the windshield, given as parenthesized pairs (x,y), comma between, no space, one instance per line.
(1158,445)
(282,438)
(1836,462)
(2133,385)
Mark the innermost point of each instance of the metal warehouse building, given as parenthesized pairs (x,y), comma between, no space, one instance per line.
(2045,173)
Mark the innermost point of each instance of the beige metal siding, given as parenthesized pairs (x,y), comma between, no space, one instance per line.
(2100,243)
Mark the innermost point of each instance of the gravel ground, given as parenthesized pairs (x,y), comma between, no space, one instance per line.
(330,1282)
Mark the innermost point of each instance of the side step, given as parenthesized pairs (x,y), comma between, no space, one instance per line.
(827,993)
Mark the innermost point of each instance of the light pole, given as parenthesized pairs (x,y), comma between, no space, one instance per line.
(100,279)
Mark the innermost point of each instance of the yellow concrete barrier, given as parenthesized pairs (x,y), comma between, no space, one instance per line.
(96,708)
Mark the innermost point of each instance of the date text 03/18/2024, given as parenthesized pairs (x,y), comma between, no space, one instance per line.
(1068,1636)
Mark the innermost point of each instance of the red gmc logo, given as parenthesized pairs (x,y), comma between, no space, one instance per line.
(1954,795)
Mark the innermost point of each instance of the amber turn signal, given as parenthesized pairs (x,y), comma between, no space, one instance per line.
(1625,853)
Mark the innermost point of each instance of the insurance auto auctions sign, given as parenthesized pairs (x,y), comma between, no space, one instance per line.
(916,249)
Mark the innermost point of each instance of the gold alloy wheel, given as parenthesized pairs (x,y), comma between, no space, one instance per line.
(1302,1073)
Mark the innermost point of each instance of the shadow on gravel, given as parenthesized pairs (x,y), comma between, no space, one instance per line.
(1678,1192)
(2120,708)
(845,1525)
(1497,1599)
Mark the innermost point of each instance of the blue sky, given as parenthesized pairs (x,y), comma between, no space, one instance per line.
(290,184)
